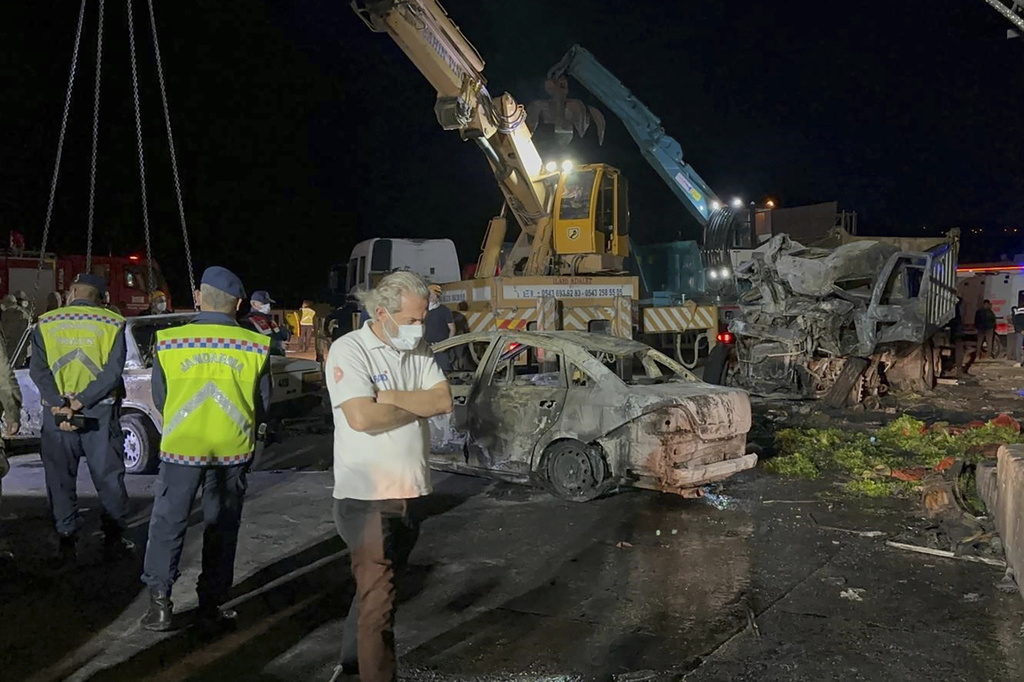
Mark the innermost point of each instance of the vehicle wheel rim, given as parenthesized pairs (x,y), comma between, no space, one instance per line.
(572,471)
(132,448)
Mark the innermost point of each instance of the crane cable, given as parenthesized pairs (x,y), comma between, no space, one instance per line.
(95,139)
(60,150)
(170,145)
(142,155)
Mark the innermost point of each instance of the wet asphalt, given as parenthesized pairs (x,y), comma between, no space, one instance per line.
(508,583)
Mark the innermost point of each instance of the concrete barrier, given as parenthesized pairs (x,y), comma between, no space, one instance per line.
(1002,489)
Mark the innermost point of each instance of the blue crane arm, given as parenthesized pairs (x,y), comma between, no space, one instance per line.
(661,151)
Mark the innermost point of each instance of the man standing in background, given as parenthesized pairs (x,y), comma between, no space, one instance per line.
(307,326)
(439,325)
(985,324)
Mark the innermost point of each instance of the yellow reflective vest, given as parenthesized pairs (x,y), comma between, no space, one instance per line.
(78,340)
(308,316)
(211,372)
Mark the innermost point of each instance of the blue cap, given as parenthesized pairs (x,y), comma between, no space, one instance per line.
(224,280)
(262,296)
(94,281)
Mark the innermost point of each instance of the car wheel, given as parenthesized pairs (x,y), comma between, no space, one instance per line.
(140,444)
(574,471)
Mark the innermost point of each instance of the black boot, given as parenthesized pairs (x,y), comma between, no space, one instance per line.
(210,615)
(67,549)
(159,615)
(116,546)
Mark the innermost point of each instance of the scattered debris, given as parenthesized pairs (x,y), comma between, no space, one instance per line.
(945,554)
(853,593)
(836,580)
(893,461)
(623,545)
(752,622)
(947,381)
(1008,584)
(972,597)
(861,533)
(717,500)
(789,501)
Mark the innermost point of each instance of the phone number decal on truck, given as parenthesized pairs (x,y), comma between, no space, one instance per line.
(571,291)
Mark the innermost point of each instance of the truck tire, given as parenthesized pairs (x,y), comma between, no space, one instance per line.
(839,394)
(715,367)
(141,442)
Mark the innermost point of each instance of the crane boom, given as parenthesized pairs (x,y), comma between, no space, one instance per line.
(1012,10)
(660,149)
(446,58)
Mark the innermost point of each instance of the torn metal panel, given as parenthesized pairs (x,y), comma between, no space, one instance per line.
(806,309)
(651,423)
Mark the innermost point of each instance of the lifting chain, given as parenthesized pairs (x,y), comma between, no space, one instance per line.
(95,140)
(170,145)
(60,149)
(142,158)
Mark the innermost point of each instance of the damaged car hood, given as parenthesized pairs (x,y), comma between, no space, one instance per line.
(715,411)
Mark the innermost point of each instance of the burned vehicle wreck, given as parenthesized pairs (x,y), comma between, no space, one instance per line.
(583,413)
(844,321)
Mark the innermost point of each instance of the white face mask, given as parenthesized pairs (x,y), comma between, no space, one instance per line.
(161,306)
(261,307)
(434,303)
(408,337)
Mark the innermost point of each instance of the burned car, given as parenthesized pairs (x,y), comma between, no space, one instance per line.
(844,321)
(583,413)
(297,388)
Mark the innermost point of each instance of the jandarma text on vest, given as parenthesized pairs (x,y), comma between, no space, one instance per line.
(211,358)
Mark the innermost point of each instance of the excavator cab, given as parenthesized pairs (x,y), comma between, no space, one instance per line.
(591,213)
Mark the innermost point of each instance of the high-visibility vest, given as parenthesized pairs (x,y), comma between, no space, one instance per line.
(211,372)
(308,314)
(78,340)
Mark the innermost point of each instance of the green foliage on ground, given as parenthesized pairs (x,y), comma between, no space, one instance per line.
(867,460)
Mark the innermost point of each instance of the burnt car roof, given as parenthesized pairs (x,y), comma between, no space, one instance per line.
(600,342)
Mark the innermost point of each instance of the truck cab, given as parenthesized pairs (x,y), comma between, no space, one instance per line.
(435,260)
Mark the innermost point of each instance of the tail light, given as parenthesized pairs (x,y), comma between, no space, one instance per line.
(726,337)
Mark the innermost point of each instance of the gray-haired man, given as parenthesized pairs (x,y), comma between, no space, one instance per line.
(384,385)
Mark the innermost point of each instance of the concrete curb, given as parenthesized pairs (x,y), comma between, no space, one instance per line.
(1002,488)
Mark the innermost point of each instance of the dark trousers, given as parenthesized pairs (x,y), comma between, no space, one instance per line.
(987,339)
(306,337)
(173,493)
(380,535)
(102,446)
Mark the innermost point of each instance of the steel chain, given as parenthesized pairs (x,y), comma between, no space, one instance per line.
(170,145)
(142,156)
(60,151)
(95,139)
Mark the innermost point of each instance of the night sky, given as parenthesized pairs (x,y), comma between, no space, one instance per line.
(300,132)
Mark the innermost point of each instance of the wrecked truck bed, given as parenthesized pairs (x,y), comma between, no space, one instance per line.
(844,321)
(583,413)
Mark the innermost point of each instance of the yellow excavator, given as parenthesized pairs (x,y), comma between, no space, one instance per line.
(574,220)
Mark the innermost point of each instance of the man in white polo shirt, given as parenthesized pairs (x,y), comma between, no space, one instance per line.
(384,385)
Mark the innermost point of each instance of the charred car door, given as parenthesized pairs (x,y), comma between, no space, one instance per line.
(521,394)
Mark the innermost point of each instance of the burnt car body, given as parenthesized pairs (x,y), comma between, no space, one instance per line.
(583,413)
(842,321)
(296,389)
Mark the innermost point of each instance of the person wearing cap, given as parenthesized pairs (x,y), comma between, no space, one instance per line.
(158,303)
(438,326)
(261,321)
(212,385)
(78,354)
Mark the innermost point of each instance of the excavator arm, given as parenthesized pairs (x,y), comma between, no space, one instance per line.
(661,151)
(1013,10)
(450,63)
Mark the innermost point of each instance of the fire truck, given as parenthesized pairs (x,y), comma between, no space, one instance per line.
(125,277)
